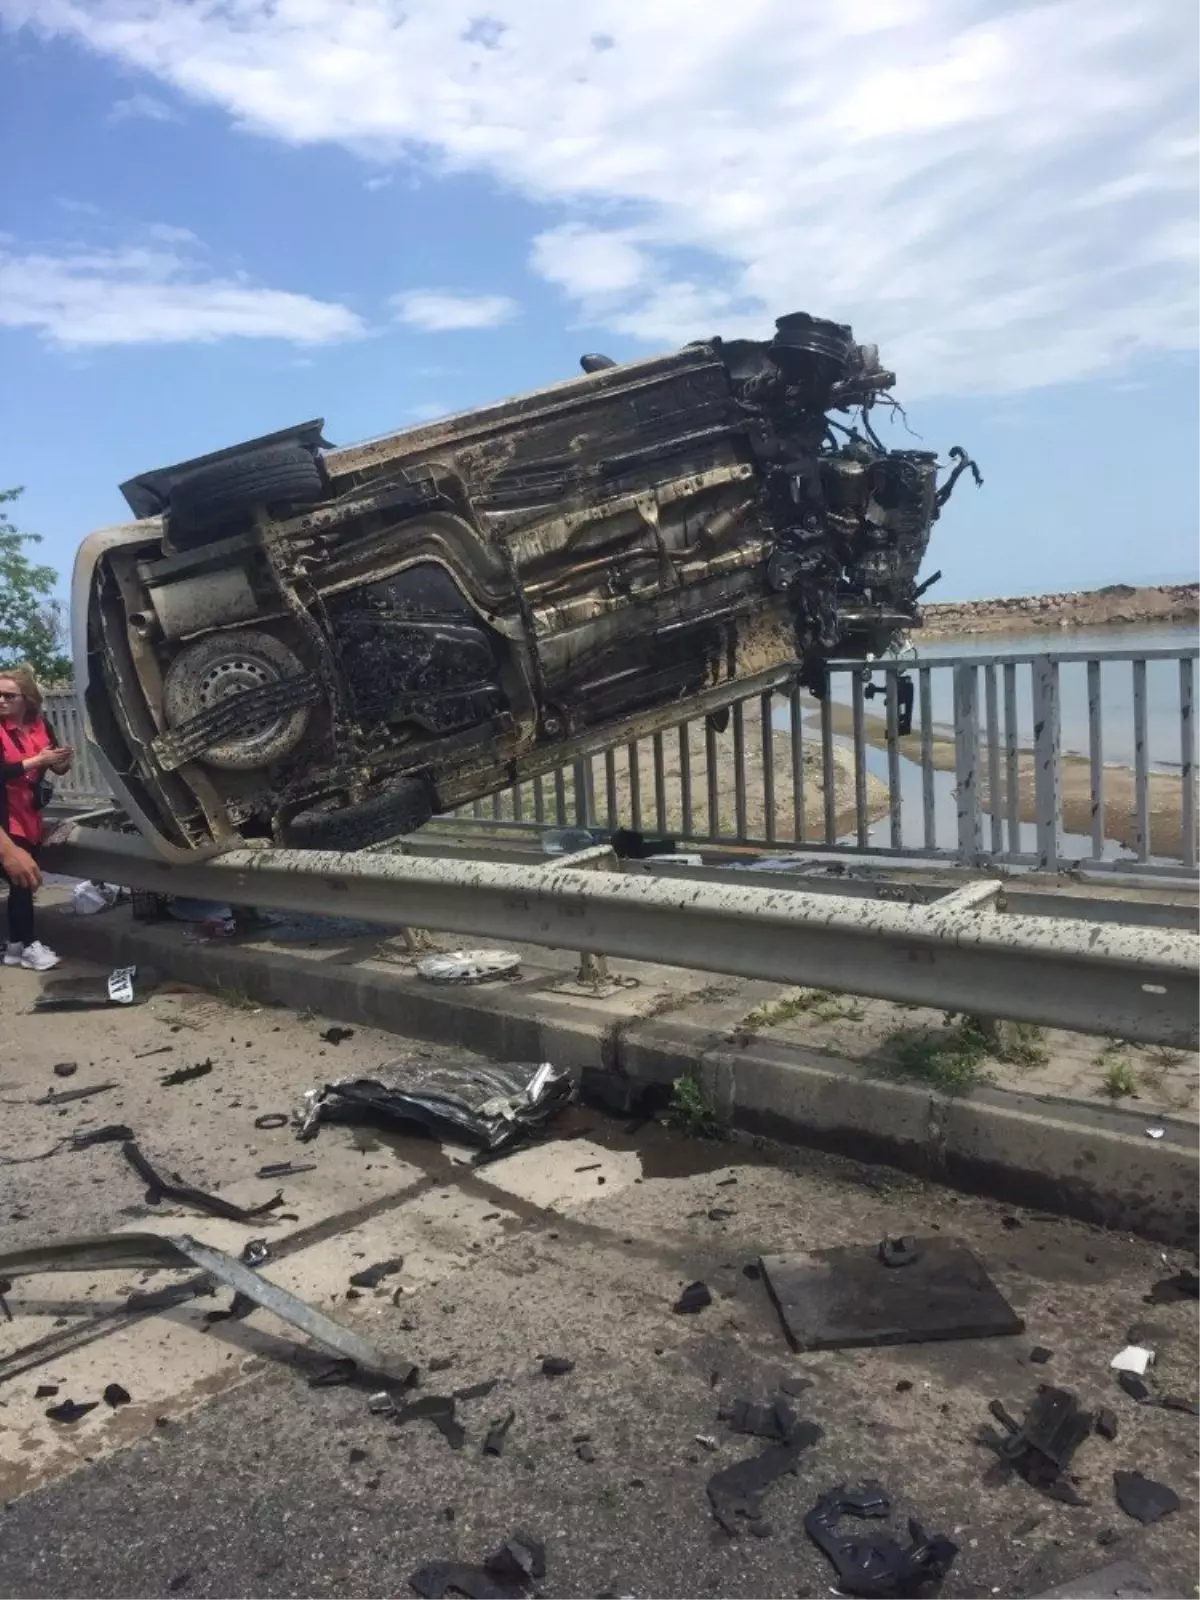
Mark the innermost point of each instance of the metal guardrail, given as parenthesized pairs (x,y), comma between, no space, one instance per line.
(1137,983)
(1006,751)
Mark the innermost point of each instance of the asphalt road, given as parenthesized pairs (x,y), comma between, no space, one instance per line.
(229,1475)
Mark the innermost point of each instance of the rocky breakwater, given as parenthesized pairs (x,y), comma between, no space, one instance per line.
(1118,604)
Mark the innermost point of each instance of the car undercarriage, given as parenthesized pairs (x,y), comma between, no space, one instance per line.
(324,647)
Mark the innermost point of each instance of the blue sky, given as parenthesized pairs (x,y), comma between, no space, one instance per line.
(233,215)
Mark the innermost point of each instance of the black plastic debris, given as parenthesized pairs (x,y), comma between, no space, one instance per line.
(736,1492)
(901,1252)
(493,1444)
(65,1069)
(270,1120)
(336,1035)
(1184,1285)
(371,1277)
(1179,1402)
(1040,1448)
(68,1411)
(111,1133)
(492,1106)
(795,1386)
(586,1453)
(336,1375)
(356,1455)
(1106,1423)
(117,1395)
(1039,1355)
(1143,1498)
(557,1366)
(876,1566)
(846,1297)
(256,1252)
(440,1410)
(198,1069)
(285,1169)
(775,1420)
(506,1575)
(694,1298)
(64,1097)
(1136,1388)
(159,1188)
(45,1391)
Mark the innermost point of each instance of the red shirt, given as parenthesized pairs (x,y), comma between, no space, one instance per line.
(16,745)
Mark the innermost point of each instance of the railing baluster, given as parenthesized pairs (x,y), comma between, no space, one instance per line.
(710,774)
(966,762)
(497,809)
(1187,759)
(560,796)
(610,789)
(895,820)
(635,787)
(1141,764)
(1047,760)
(539,801)
(995,814)
(518,802)
(828,784)
(928,792)
(861,828)
(739,768)
(1012,761)
(1096,756)
(585,805)
(660,785)
(797,766)
(685,778)
(768,766)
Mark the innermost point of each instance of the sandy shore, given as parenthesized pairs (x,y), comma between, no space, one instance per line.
(1118,605)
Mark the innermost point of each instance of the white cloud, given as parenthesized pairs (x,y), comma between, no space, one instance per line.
(144,106)
(381,180)
(429,410)
(1001,192)
(143,295)
(443,311)
(166,233)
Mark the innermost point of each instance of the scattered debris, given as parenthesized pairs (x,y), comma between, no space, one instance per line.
(124,1250)
(356,1455)
(1156,1133)
(1120,1580)
(336,1035)
(846,1297)
(438,1409)
(493,1444)
(199,1069)
(904,1386)
(1024,1529)
(506,1575)
(91,993)
(901,1252)
(1039,1355)
(557,1366)
(1179,1402)
(694,1298)
(1106,1423)
(159,1188)
(372,1277)
(1041,1447)
(493,1106)
(876,1566)
(285,1169)
(159,1050)
(45,1391)
(68,1411)
(586,1453)
(795,1386)
(469,966)
(65,1069)
(256,1252)
(736,1492)
(1185,1285)
(1134,1358)
(271,1120)
(63,1097)
(707,1440)
(720,1213)
(1143,1498)
(336,1375)
(1134,1386)
(111,1133)
(117,1395)
(776,1420)
(89,898)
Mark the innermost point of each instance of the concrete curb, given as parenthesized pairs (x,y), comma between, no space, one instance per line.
(1095,1163)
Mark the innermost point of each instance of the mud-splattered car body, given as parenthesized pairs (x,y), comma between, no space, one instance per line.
(323,647)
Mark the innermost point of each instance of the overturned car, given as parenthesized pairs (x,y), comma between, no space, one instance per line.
(323,647)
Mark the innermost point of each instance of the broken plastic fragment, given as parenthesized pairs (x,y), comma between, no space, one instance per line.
(557,1366)
(694,1298)
(877,1565)
(159,1188)
(1143,1498)
(468,966)
(493,1444)
(1135,1387)
(736,1492)
(1041,1447)
(1106,1423)
(336,1035)
(200,1069)
(117,1395)
(68,1411)
(372,1277)
(1134,1358)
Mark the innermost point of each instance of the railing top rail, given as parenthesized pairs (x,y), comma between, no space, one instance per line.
(1183,652)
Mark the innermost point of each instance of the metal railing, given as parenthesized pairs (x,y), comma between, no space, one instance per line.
(1038,760)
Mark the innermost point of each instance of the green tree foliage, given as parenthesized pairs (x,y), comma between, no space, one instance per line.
(33,624)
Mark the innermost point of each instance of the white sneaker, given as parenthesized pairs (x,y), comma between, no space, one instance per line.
(38,958)
(13,954)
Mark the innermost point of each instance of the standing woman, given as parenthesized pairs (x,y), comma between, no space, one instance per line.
(28,751)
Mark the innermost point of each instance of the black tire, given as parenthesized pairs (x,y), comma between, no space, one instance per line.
(212,496)
(403,808)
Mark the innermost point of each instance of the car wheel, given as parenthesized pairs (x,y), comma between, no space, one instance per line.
(401,808)
(204,501)
(220,666)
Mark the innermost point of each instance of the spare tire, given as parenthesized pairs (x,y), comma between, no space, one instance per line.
(403,807)
(201,503)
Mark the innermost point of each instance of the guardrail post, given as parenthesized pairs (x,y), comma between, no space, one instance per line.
(592,972)
(1047,762)
(966,762)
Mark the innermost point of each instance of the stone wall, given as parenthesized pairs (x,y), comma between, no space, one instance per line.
(1087,608)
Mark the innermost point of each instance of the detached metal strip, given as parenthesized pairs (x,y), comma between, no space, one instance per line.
(1137,984)
(96,1253)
